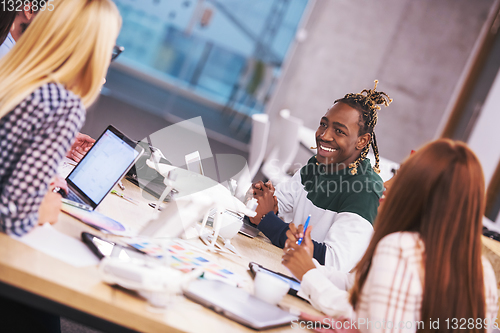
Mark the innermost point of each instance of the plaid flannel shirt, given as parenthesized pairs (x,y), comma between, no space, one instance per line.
(34,138)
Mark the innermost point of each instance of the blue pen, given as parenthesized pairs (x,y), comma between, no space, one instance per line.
(305,228)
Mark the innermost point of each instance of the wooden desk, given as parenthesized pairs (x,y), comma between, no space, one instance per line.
(79,294)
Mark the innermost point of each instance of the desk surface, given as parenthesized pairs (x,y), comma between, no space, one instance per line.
(81,288)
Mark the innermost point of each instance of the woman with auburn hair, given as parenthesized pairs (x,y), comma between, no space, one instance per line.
(423,267)
(50,76)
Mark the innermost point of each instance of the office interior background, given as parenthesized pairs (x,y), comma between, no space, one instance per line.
(226,60)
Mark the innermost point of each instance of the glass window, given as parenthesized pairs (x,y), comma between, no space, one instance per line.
(227,52)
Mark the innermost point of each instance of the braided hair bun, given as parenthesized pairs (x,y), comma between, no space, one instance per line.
(367,102)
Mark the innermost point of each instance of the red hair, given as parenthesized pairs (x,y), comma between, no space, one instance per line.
(438,192)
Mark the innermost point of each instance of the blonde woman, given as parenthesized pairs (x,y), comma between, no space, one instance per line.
(47,80)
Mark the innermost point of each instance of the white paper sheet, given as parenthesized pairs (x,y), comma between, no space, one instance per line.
(48,240)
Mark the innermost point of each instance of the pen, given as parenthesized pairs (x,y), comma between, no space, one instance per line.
(305,228)
(123,196)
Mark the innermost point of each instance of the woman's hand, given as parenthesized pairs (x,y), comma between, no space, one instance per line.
(49,208)
(298,258)
(80,147)
(294,234)
(267,202)
(51,203)
(58,182)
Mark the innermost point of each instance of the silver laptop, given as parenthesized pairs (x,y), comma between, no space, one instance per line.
(111,156)
(237,304)
(249,229)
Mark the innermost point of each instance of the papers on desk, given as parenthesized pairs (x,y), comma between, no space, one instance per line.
(48,240)
(186,258)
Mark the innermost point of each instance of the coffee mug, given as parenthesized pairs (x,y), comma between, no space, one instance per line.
(270,288)
(230,224)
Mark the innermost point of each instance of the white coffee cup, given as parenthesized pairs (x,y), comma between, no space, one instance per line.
(270,288)
(230,225)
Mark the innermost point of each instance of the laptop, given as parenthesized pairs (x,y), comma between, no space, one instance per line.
(111,156)
(238,305)
(248,228)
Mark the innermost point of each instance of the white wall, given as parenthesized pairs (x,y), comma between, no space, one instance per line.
(416,49)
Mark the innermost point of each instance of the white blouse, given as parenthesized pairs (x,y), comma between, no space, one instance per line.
(391,297)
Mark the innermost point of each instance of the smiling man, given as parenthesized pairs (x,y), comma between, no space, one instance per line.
(338,187)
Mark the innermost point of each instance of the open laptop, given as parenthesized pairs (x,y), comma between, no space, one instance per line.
(248,228)
(111,156)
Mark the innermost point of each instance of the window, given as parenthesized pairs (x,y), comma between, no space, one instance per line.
(222,53)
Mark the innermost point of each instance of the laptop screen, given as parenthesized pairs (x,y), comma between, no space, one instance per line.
(103,166)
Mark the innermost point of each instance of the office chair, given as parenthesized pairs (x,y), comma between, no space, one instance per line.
(283,153)
(258,145)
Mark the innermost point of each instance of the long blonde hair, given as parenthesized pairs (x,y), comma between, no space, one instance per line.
(71,45)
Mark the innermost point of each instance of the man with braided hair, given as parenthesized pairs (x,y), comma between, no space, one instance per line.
(337,187)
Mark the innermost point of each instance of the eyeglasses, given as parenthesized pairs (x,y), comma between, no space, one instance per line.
(116,52)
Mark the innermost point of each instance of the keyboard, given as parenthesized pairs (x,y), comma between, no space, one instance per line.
(73,197)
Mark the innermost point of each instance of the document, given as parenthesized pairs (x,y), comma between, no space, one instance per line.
(48,240)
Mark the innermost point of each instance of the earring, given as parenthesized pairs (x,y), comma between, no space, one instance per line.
(314,147)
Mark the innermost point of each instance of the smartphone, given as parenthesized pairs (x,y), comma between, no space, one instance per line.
(105,248)
(294,284)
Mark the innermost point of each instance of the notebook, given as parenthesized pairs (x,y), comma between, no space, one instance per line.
(111,156)
(237,304)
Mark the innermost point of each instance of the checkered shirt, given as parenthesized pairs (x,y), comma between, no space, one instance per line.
(34,138)
(391,297)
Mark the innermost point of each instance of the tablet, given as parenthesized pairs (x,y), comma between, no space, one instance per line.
(109,159)
(238,305)
(105,248)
